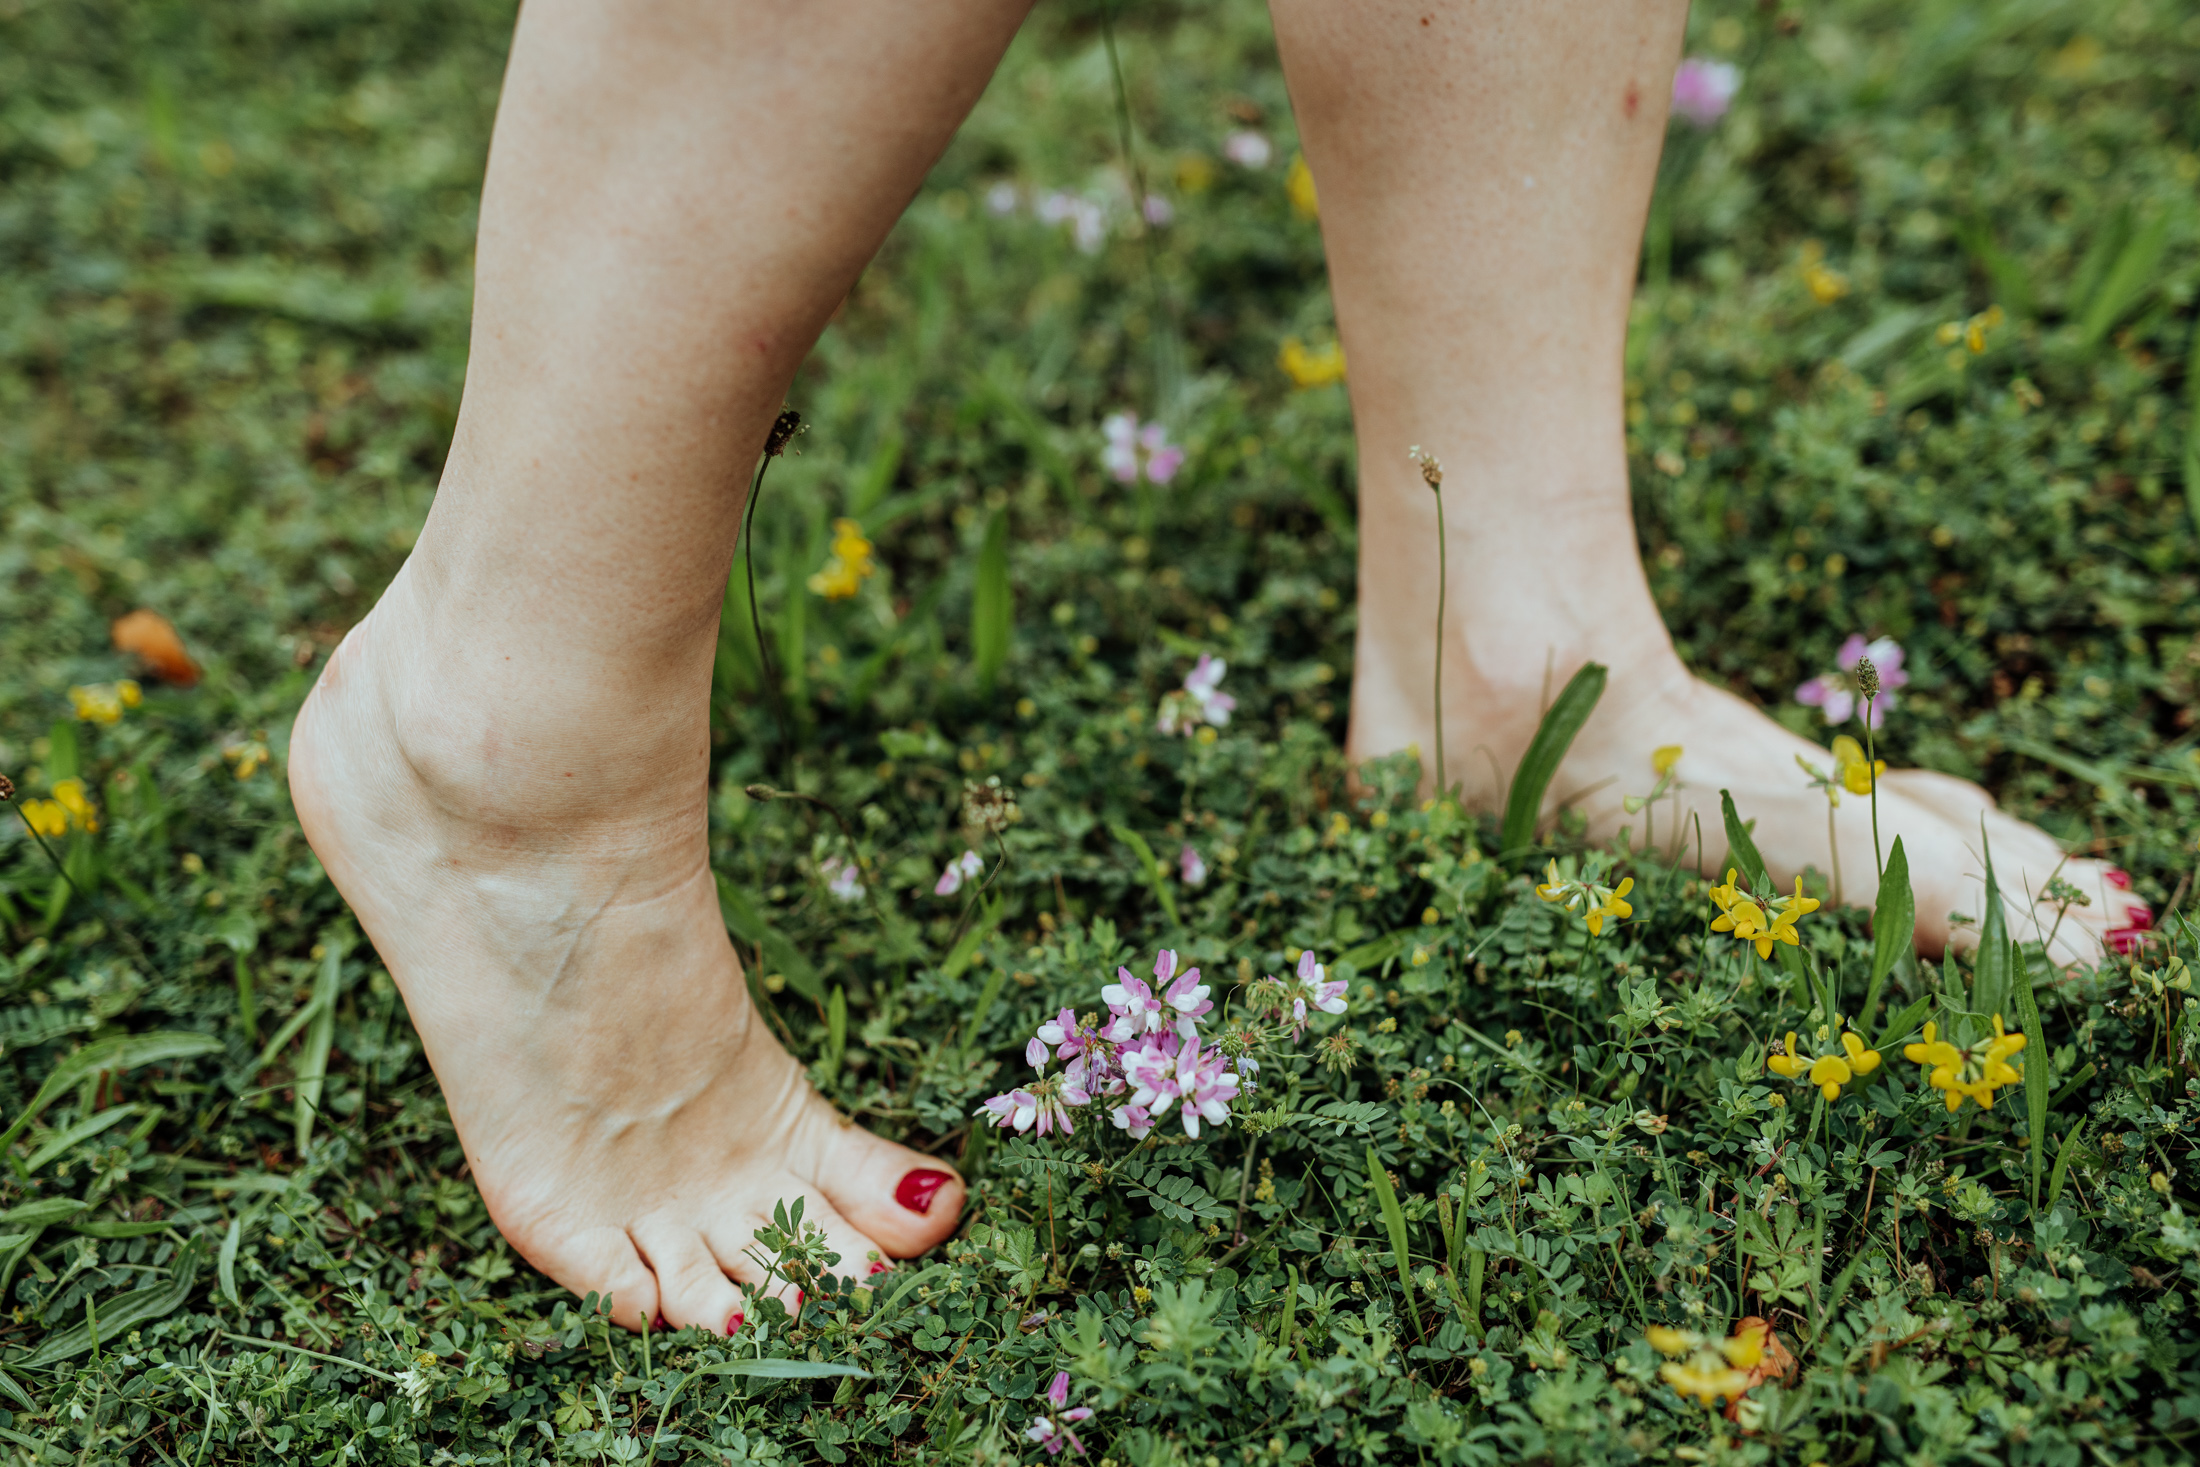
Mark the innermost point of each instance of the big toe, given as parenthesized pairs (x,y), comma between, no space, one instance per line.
(904,1200)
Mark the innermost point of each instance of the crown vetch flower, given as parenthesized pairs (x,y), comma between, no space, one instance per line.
(1836,694)
(1703,89)
(965,866)
(1134,450)
(1052,1431)
(1201,701)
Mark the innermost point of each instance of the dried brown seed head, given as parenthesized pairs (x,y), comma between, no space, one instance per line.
(784,427)
(7,788)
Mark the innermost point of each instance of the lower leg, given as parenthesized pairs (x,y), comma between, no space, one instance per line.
(1485,170)
(504,768)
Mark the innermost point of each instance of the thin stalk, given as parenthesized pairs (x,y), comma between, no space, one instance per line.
(1833,846)
(1443,572)
(1871,768)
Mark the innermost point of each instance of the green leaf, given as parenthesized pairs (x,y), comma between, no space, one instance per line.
(785,1369)
(1394,1223)
(121,1315)
(120,1053)
(1741,851)
(1990,971)
(745,920)
(16,1393)
(992,607)
(225,1263)
(62,1142)
(2063,1153)
(966,947)
(2035,1065)
(2131,279)
(1151,866)
(1894,928)
(1539,766)
(1905,1023)
(313,1062)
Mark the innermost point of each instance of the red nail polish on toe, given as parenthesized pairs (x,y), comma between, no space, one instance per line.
(733,1322)
(2117,878)
(919,1188)
(879,1268)
(2125,940)
(658,1323)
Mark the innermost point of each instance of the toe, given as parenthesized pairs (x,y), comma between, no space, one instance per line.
(739,1253)
(906,1200)
(604,1261)
(691,1283)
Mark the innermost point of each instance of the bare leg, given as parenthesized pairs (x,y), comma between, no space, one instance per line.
(504,767)
(1485,167)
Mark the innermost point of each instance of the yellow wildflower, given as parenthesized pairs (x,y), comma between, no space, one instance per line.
(1828,1071)
(1718,1368)
(1825,283)
(1552,888)
(248,755)
(1749,922)
(1670,1341)
(850,566)
(1663,759)
(46,817)
(70,795)
(1613,905)
(104,702)
(1791,908)
(1855,772)
(1977,1071)
(1299,184)
(1316,368)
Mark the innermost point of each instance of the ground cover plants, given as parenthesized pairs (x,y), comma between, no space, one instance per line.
(1469,1141)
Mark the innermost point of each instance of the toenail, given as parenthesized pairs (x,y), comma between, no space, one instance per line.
(919,1188)
(2139,918)
(879,1268)
(2118,878)
(2126,940)
(658,1322)
(734,1321)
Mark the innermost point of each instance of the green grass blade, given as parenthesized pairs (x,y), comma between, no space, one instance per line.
(1150,864)
(2192,433)
(2035,1064)
(124,1052)
(1894,928)
(1394,1223)
(1990,973)
(313,1063)
(746,920)
(1905,1023)
(1539,766)
(225,1263)
(123,1314)
(2063,1153)
(2134,275)
(1741,851)
(991,606)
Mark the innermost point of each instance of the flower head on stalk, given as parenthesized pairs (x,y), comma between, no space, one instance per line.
(1828,1071)
(1595,902)
(1976,1070)
(1311,988)
(1837,694)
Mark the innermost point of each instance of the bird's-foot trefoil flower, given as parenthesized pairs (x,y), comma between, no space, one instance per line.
(1975,1071)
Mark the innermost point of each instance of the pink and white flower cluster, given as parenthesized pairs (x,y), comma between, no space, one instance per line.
(1202,700)
(1835,693)
(1149,1059)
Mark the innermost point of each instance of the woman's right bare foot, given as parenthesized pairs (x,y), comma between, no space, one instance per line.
(543,899)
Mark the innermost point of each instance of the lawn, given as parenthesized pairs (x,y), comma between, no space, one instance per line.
(1915,355)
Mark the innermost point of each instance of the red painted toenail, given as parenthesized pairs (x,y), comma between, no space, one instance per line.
(919,1188)
(2117,878)
(879,1268)
(734,1322)
(2126,940)
(658,1322)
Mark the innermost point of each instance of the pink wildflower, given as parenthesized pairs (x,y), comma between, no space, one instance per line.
(1248,149)
(1202,700)
(1191,867)
(1133,450)
(1053,1431)
(1159,212)
(1136,1009)
(844,879)
(959,870)
(1835,693)
(1703,90)
(1062,1032)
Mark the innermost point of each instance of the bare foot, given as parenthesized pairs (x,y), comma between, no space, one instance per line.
(1494,691)
(543,900)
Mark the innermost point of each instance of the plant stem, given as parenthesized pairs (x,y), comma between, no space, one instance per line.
(1871,768)
(1834,846)
(1443,572)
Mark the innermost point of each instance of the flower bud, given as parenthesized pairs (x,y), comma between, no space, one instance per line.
(7,788)
(1867,677)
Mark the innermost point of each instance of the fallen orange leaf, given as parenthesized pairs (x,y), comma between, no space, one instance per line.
(152,638)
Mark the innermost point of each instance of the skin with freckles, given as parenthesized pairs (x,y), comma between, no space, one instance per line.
(504,767)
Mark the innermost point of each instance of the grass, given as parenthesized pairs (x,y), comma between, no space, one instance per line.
(234,1223)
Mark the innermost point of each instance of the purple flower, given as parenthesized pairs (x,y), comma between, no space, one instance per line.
(1207,1084)
(1136,1009)
(844,879)
(1053,1431)
(1703,90)
(1202,700)
(1133,449)
(1035,1053)
(1062,1032)
(1186,994)
(1014,1108)
(1835,693)
(1248,149)
(1313,988)
(959,870)
(1192,868)
(1159,212)
(1134,1119)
